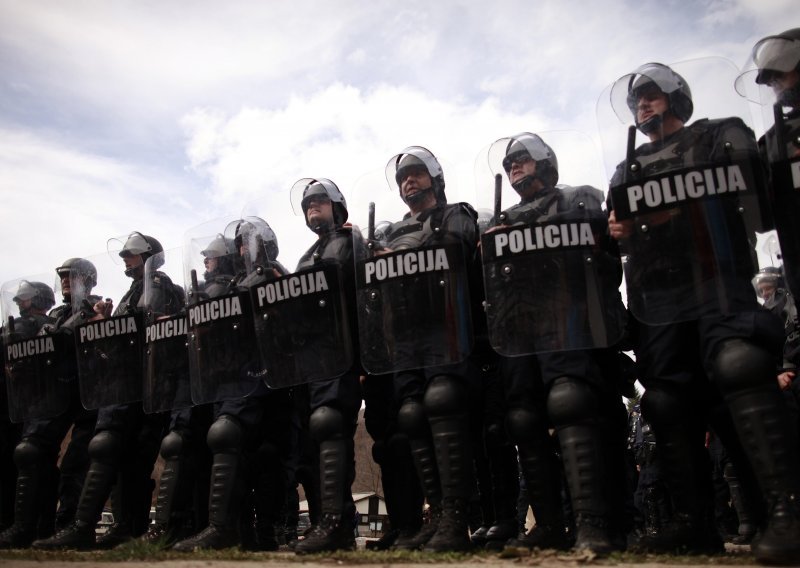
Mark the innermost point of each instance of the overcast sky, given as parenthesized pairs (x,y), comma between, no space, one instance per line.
(158,116)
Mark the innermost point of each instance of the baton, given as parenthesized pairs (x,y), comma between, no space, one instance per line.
(498,197)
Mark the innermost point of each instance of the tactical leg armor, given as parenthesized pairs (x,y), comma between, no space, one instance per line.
(542,472)
(411,421)
(30,460)
(445,405)
(104,452)
(225,495)
(745,374)
(335,531)
(573,410)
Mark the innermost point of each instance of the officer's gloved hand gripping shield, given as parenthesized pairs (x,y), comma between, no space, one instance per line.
(34,356)
(166,372)
(551,282)
(691,200)
(413,301)
(218,261)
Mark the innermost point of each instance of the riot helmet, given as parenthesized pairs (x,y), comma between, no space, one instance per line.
(220,250)
(248,231)
(527,146)
(306,189)
(81,267)
(659,78)
(80,275)
(776,55)
(40,295)
(144,245)
(417,157)
(767,281)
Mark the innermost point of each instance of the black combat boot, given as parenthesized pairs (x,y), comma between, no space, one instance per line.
(223,504)
(454,462)
(163,530)
(26,511)
(335,530)
(583,463)
(80,534)
(771,445)
(415,424)
(543,481)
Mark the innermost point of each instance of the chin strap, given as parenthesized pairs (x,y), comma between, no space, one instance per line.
(651,124)
(418,197)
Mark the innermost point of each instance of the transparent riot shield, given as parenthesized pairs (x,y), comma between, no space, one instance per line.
(689,200)
(761,81)
(302,328)
(223,356)
(110,348)
(166,370)
(34,357)
(551,280)
(413,308)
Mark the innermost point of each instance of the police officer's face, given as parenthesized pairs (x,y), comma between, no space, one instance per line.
(521,167)
(66,283)
(781,82)
(210,263)
(319,210)
(766,290)
(415,179)
(651,103)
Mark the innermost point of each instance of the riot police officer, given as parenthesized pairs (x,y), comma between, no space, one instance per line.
(247,436)
(432,396)
(774,70)
(689,288)
(567,375)
(125,445)
(334,403)
(37,453)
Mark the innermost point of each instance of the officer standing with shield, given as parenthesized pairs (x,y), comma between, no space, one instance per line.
(771,77)
(555,313)
(37,453)
(686,205)
(121,425)
(415,321)
(248,434)
(324,353)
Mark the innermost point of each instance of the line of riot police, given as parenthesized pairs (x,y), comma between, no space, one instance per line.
(464,343)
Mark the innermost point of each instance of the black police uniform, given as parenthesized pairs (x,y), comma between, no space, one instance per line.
(250,448)
(334,406)
(578,393)
(41,482)
(435,400)
(737,350)
(122,452)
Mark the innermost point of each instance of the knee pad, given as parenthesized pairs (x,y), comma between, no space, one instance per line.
(225,436)
(445,396)
(326,423)
(105,446)
(172,446)
(740,365)
(28,454)
(525,424)
(570,401)
(411,419)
